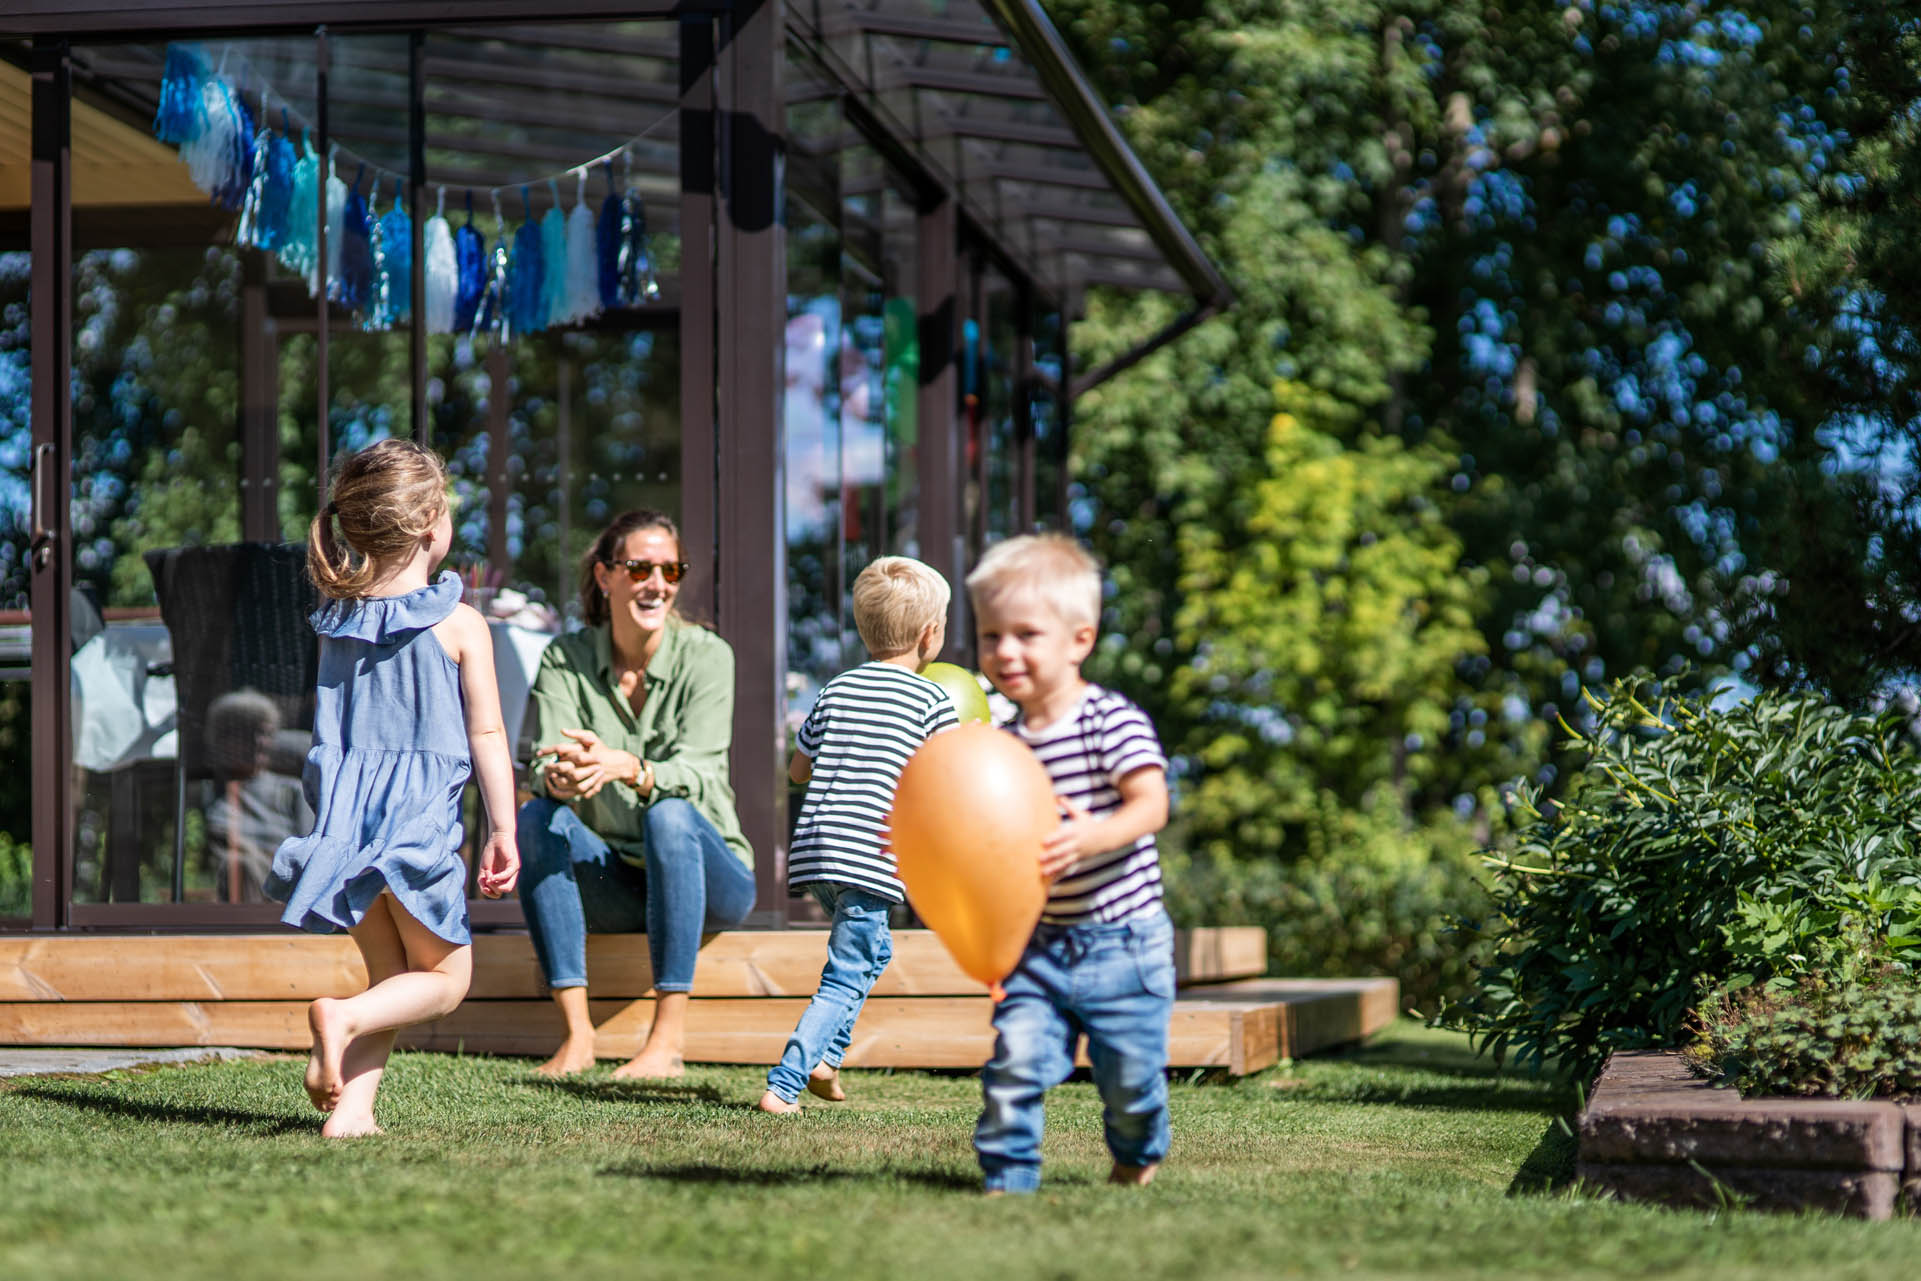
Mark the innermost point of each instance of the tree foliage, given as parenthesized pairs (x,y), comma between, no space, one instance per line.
(1526,261)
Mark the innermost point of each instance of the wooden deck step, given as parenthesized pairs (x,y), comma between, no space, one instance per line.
(1316,1014)
(735,963)
(908,1032)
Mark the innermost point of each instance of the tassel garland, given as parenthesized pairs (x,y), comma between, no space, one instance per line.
(559,268)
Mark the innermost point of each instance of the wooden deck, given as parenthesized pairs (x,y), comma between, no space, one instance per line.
(249,990)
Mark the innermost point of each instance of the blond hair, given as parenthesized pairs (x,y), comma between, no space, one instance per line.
(382,500)
(896,598)
(1051,568)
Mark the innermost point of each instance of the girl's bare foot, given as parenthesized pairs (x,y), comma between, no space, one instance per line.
(358,1127)
(651,1064)
(1134,1176)
(572,1056)
(771,1102)
(331,1036)
(824,1083)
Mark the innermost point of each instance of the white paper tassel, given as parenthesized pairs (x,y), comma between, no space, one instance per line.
(209,153)
(336,223)
(437,242)
(583,265)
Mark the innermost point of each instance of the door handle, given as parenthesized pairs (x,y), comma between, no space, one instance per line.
(41,548)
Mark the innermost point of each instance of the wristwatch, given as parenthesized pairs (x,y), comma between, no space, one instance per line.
(644,781)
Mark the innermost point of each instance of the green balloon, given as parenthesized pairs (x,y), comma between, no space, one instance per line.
(964,688)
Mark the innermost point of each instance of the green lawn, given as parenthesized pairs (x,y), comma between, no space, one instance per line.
(1406,1158)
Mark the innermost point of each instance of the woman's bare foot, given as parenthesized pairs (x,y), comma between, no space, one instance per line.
(651,1065)
(1134,1176)
(358,1127)
(331,1036)
(573,1056)
(824,1083)
(771,1102)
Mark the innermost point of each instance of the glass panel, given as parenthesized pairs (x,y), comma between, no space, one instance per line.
(998,438)
(193,705)
(879,375)
(1044,412)
(812,412)
(16,634)
(195,357)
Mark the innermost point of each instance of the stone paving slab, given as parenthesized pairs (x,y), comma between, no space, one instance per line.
(15,1061)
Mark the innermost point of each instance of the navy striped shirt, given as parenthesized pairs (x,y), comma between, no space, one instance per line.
(862,729)
(1086,753)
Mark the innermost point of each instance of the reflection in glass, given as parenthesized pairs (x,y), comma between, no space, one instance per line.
(16,635)
(196,361)
(852,381)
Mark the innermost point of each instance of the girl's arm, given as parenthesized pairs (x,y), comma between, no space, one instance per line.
(468,642)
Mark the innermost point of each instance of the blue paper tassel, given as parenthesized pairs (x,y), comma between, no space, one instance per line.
(396,267)
(299,245)
(236,171)
(553,263)
(470,259)
(525,310)
(607,243)
(354,285)
(276,193)
(179,118)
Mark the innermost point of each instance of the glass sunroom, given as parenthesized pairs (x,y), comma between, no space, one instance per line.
(832,249)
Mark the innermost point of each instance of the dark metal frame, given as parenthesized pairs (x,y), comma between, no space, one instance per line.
(731,130)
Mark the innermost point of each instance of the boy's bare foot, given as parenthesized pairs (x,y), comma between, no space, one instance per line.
(1133,1176)
(330,1039)
(771,1102)
(824,1083)
(651,1065)
(359,1127)
(572,1056)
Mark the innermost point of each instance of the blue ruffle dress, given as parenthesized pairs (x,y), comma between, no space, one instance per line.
(386,772)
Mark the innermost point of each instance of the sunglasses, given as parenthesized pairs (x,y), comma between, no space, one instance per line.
(639,571)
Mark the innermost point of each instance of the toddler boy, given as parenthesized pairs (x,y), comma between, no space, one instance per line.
(849,753)
(1101,961)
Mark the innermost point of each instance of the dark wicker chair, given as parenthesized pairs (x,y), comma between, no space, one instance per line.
(237,617)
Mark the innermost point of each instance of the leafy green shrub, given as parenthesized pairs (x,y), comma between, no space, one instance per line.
(1615,908)
(1368,896)
(1821,1037)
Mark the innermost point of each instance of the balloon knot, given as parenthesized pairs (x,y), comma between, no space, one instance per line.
(998,992)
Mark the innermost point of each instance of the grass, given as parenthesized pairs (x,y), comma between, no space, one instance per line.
(1404,1158)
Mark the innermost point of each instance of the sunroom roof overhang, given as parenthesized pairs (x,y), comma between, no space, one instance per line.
(984,93)
(994,103)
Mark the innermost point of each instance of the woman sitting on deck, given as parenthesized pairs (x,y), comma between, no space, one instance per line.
(632,825)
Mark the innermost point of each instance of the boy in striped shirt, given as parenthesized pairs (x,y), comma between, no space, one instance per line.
(1101,961)
(849,753)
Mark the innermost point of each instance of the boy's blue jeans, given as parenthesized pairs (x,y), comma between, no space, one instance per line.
(571,882)
(1113,982)
(859,945)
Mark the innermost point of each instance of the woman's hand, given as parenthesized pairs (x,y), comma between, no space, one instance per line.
(499,865)
(581,768)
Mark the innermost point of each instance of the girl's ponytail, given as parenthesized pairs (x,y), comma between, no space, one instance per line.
(383,499)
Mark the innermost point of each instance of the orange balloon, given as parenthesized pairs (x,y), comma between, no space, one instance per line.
(971,811)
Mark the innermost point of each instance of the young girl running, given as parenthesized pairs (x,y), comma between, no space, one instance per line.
(407,708)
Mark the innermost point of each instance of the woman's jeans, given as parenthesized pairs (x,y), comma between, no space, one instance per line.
(1113,982)
(859,945)
(571,882)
